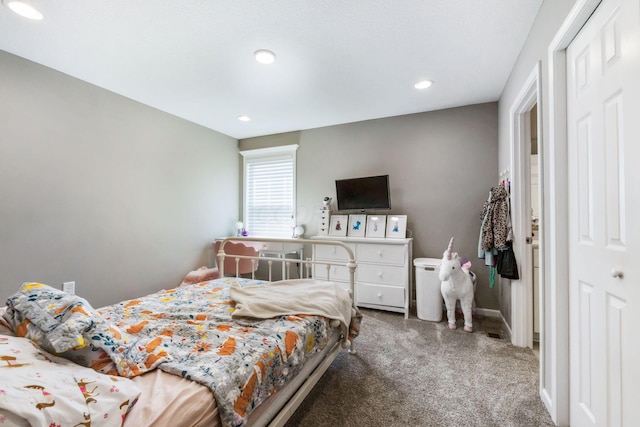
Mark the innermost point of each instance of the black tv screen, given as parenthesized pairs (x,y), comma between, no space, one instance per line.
(371,192)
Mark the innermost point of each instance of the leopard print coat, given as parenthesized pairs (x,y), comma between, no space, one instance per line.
(495,213)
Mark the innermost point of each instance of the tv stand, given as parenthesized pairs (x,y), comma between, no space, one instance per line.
(384,273)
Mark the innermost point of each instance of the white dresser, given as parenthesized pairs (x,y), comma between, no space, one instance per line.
(383,276)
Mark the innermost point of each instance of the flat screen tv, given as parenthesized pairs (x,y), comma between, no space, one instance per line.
(366,193)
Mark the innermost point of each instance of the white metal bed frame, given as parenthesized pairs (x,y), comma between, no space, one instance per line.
(306,263)
(287,400)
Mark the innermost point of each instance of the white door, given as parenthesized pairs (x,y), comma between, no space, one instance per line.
(603,103)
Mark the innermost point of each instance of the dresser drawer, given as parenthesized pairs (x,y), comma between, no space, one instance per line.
(380,295)
(381,274)
(330,252)
(337,273)
(387,254)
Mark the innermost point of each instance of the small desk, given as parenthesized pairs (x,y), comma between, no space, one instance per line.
(274,249)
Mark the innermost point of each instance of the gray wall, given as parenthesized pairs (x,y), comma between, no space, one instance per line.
(96,188)
(441,166)
(124,199)
(547,23)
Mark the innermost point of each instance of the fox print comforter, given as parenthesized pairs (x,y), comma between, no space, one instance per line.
(187,331)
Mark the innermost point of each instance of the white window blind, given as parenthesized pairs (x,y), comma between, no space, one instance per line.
(269,191)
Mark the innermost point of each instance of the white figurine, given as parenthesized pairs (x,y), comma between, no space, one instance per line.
(327,203)
(456,284)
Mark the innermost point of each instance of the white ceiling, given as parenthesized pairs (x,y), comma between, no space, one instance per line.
(338,61)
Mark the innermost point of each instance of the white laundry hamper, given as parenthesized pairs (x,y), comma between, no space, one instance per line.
(428,296)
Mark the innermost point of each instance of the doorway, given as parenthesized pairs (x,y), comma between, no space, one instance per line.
(525,124)
(535,197)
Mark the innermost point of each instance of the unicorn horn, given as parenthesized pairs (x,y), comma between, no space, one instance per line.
(449,249)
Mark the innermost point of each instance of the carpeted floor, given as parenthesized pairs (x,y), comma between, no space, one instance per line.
(419,373)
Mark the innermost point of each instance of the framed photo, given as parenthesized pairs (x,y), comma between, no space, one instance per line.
(376,225)
(338,225)
(397,226)
(357,224)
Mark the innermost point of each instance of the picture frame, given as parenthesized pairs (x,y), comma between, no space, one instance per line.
(396,226)
(376,225)
(338,225)
(357,225)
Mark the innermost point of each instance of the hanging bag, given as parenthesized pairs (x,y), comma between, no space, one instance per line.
(507,266)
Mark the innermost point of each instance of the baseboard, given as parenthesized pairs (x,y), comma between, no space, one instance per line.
(488,312)
(507,329)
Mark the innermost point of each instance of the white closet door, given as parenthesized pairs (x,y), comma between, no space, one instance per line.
(603,102)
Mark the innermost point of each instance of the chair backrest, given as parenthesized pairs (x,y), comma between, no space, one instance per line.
(244,266)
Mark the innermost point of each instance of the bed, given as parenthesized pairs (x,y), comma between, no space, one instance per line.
(232,351)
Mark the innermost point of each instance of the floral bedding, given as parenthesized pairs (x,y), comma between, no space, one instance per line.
(187,331)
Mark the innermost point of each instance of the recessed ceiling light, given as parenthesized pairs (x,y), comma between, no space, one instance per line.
(244,118)
(264,56)
(23,9)
(423,84)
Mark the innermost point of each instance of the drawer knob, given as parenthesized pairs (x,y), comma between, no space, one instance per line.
(379,294)
(379,253)
(380,274)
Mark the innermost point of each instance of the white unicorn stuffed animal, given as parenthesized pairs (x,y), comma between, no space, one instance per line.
(456,284)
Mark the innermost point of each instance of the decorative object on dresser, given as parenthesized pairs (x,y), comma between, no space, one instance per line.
(397,226)
(338,225)
(326,203)
(323,229)
(384,275)
(357,224)
(376,225)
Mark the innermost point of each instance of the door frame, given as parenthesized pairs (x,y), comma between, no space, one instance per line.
(522,289)
(554,379)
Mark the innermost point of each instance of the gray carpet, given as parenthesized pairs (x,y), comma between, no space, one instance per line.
(419,373)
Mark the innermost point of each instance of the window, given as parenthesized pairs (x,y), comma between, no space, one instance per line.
(269,191)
